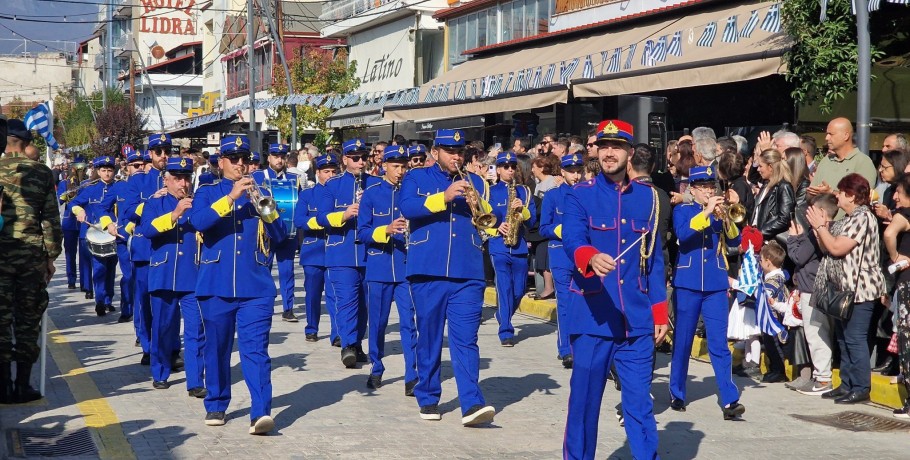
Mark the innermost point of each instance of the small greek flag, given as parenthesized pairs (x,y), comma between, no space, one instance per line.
(767,321)
(660,49)
(519,81)
(37,119)
(730,35)
(566,71)
(630,57)
(675,46)
(750,25)
(551,74)
(603,60)
(613,67)
(707,37)
(588,70)
(474,88)
(529,72)
(772,19)
(431,95)
(461,91)
(485,86)
(647,59)
(749,273)
(535,80)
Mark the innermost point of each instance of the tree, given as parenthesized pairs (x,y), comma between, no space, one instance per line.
(315,72)
(78,117)
(822,63)
(121,123)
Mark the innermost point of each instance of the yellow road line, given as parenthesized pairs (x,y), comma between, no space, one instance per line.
(99,415)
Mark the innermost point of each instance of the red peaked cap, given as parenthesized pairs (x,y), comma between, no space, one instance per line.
(614,130)
(752,235)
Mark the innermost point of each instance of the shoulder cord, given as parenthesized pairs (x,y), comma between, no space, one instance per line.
(646,250)
(264,241)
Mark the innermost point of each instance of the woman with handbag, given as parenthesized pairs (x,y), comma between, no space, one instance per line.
(897,242)
(776,200)
(848,283)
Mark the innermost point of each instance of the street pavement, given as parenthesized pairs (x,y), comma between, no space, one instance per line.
(323,410)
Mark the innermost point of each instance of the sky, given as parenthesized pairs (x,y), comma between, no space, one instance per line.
(45,33)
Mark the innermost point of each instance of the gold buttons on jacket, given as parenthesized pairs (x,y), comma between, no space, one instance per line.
(623,221)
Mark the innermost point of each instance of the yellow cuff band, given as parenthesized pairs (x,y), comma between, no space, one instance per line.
(700,222)
(104,222)
(129,228)
(269,218)
(139,209)
(163,223)
(336,219)
(525,214)
(223,206)
(486,206)
(558,231)
(436,202)
(313,225)
(379,234)
(493,232)
(78,210)
(731,232)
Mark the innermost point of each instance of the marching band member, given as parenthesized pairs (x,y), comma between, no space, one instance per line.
(71,231)
(381,227)
(417,155)
(172,279)
(445,269)
(254,165)
(210,175)
(510,259)
(312,252)
(287,249)
(551,212)
(618,305)
(86,283)
(90,207)
(118,195)
(141,187)
(345,257)
(700,288)
(234,287)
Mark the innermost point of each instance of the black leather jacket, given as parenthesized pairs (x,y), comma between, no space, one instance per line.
(775,209)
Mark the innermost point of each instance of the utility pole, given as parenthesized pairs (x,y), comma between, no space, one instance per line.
(287,71)
(132,83)
(250,36)
(863,76)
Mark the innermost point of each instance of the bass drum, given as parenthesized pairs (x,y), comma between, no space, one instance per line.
(284,192)
(101,244)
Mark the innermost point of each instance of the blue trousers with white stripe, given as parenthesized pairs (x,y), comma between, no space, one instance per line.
(379,303)
(511,281)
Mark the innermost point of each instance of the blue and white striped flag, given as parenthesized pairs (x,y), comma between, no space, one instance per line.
(37,119)
(647,58)
(707,37)
(630,57)
(613,67)
(772,19)
(505,88)
(474,89)
(675,46)
(535,80)
(750,25)
(566,71)
(660,49)
(749,273)
(588,70)
(603,61)
(461,91)
(519,81)
(730,35)
(551,74)
(767,321)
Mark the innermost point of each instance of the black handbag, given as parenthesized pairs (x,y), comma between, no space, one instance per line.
(836,303)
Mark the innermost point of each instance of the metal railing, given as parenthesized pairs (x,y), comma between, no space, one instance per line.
(343,9)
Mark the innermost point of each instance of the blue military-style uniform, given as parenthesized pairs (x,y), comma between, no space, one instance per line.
(445,268)
(386,277)
(98,204)
(70,238)
(551,212)
(312,254)
(234,287)
(611,319)
(208,177)
(700,288)
(287,249)
(119,194)
(172,285)
(345,257)
(509,262)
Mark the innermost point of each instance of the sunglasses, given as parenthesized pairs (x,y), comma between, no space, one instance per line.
(238,159)
(355,157)
(136,165)
(590,144)
(418,160)
(509,166)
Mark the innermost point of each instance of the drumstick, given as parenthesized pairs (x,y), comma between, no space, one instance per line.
(630,246)
(98,227)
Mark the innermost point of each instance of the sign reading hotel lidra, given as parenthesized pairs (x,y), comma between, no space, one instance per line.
(169,17)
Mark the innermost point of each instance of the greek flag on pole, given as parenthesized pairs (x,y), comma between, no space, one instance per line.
(461,91)
(772,19)
(750,25)
(37,119)
(675,46)
(730,35)
(707,37)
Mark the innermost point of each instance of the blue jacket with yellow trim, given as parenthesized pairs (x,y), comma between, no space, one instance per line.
(551,211)
(67,220)
(700,265)
(140,187)
(443,240)
(116,200)
(499,194)
(172,263)
(605,217)
(386,255)
(312,241)
(98,210)
(234,259)
(341,246)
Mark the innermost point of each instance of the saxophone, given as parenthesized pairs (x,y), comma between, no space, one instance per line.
(513,218)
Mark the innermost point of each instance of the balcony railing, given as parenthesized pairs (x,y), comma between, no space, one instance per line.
(565,6)
(343,9)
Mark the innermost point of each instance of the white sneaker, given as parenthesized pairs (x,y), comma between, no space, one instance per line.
(262,425)
(478,415)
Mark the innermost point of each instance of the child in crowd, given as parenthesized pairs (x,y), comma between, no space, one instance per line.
(792,345)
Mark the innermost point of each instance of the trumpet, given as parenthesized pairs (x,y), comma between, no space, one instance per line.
(730,212)
(265,205)
(482,220)
(77,175)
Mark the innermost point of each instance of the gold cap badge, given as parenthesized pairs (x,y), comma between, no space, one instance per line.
(163,138)
(708,171)
(183,162)
(457,136)
(357,143)
(238,141)
(610,128)
(400,149)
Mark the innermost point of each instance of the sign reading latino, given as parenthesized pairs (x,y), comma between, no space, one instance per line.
(169,17)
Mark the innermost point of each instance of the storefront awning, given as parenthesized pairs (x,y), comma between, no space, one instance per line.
(355,115)
(717,45)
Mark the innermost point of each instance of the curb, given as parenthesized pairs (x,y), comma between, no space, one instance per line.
(541,309)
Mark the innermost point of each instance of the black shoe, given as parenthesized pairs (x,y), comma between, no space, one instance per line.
(374,382)
(312,338)
(23,391)
(125,319)
(215,418)
(110,308)
(337,342)
(100,310)
(289,317)
(835,393)
(700,332)
(71,286)
(146,359)
(678,405)
(773,377)
(732,411)
(508,343)
(893,370)
(409,387)
(349,357)
(176,362)
(885,364)
(478,415)
(89,295)
(198,392)
(853,397)
(136,344)
(568,361)
(361,356)
(430,412)
(161,385)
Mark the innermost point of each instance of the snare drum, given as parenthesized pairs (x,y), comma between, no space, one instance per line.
(285,194)
(100,243)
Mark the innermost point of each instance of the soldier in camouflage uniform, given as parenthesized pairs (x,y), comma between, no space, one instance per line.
(30,240)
